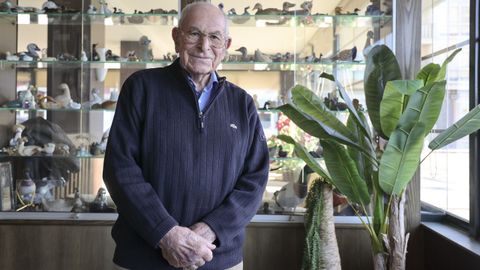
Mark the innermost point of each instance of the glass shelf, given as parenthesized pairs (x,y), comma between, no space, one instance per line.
(228,65)
(75,18)
(78,18)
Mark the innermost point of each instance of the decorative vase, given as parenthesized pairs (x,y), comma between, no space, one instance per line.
(101,72)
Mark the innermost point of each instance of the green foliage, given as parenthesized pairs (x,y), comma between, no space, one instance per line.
(382,66)
(403,111)
(395,99)
(466,125)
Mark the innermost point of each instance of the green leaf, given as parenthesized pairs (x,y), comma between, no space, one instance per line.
(468,124)
(327,76)
(443,69)
(401,158)
(394,101)
(379,206)
(428,73)
(352,109)
(344,173)
(424,106)
(381,67)
(310,104)
(304,122)
(364,165)
(306,156)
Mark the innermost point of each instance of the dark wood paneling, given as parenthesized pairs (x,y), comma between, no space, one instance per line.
(442,254)
(77,247)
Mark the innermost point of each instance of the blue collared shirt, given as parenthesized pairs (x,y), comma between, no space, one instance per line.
(204,96)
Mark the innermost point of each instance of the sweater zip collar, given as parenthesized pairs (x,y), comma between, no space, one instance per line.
(216,92)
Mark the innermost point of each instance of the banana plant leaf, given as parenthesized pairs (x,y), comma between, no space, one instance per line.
(428,73)
(313,127)
(424,106)
(394,101)
(318,129)
(466,125)
(310,104)
(401,158)
(443,69)
(307,157)
(344,173)
(364,165)
(348,101)
(381,67)
(306,123)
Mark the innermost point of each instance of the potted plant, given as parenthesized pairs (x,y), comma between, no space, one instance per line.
(372,168)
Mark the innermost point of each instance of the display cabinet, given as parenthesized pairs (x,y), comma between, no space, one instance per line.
(62,67)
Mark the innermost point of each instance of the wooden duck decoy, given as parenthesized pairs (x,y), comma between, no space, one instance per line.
(261,57)
(243,51)
(31,53)
(135,19)
(306,9)
(240,19)
(268,11)
(345,55)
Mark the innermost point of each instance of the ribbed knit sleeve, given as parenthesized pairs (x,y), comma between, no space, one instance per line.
(236,211)
(135,198)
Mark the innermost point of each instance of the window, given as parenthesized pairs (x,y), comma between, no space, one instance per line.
(445,174)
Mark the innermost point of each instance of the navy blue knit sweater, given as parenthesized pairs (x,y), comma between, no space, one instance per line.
(167,164)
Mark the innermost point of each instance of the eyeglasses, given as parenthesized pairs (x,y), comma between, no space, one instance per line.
(215,40)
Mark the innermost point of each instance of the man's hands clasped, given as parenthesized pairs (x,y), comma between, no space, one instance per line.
(188,248)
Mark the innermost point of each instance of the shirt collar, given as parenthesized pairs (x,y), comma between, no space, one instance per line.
(211,83)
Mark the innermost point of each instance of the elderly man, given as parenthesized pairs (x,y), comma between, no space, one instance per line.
(186,161)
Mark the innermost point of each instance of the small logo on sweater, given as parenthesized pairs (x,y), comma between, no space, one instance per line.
(233,126)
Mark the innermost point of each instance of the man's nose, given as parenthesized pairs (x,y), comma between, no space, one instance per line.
(204,42)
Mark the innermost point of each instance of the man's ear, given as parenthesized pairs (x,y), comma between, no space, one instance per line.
(229,42)
(176,37)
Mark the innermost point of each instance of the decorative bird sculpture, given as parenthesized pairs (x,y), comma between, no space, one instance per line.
(135,19)
(45,186)
(261,57)
(270,11)
(240,19)
(145,50)
(368,44)
(244,57)
(27,151)
(345,55)
(294,193)
(305,9)
(65,99)
(31,53)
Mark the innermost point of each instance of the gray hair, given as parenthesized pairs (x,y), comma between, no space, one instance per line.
(186,10)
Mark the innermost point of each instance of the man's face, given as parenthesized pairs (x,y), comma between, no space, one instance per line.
(205,24)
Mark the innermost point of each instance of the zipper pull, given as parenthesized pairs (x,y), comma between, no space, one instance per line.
(202,125)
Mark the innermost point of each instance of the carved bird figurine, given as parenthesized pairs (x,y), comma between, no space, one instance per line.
(345,55)
(272,11)
(244,57)
(261,57)
(368,44)
(65,99)
(27,151)
(306,9)
(145,51)
(31,53)
(239,19)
